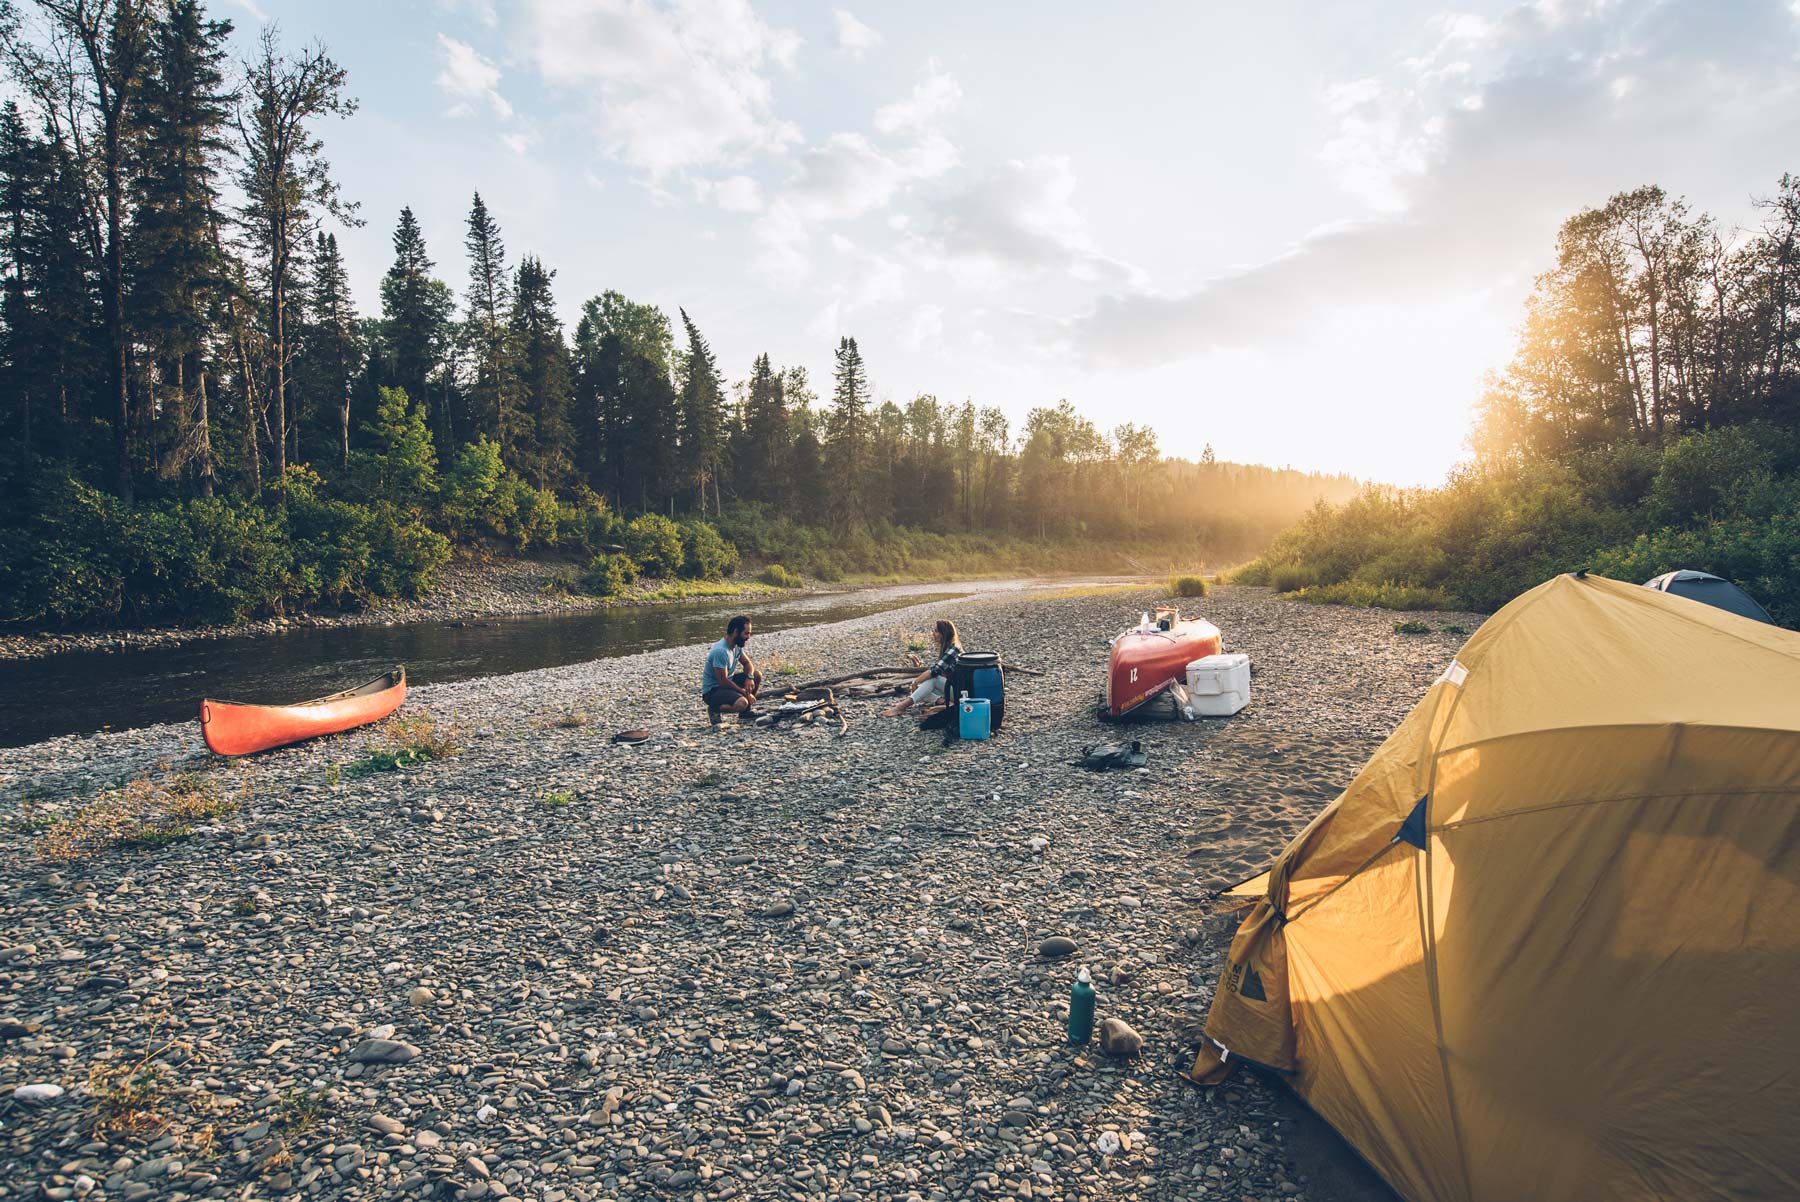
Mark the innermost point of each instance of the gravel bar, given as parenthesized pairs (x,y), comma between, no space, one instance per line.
(724,963)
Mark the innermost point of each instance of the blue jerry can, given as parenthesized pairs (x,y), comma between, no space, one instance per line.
(973,714)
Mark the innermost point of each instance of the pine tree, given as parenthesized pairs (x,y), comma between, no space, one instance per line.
(286,181)
(18,187)
(174,272)
(415,323)
(702,421)
(625,369)
(493,395)
(545,441)
(763,466)
(848,448)
(331,343)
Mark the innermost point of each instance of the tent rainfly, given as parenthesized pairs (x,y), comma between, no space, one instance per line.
(1546,945)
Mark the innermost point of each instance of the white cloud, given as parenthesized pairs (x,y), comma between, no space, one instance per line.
(469,79)
(735,194)
(854,38)
(1470,171)
(926,325)
(845,177)
(1018,221)
(932,97)
(675,85)
(517,142)
(482,10)
(262,14)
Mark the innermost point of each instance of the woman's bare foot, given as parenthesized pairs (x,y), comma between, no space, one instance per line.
(896,709)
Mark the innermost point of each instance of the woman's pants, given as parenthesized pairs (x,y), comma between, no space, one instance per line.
(933,689)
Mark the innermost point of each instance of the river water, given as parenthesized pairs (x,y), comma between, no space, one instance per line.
(78,692)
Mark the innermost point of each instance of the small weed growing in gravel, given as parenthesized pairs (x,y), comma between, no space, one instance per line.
(709,780)
(299,1110)
(128,1098)
(27,823)
(917,642)
(143,813)
(403,743)
(788,670)
(558,799)
(571,719)
(333,774)
(1454,629)
(1411,627)
(246,905)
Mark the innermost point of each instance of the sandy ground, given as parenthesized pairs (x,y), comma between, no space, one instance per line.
(724,963)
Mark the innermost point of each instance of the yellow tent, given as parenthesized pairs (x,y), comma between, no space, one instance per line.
(1547,944)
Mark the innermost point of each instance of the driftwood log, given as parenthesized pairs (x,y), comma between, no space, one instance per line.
(870,674)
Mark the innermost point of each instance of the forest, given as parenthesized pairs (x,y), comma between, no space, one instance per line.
(1649,420)
(199,422)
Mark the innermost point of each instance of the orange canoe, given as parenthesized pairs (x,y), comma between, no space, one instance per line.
(234,729)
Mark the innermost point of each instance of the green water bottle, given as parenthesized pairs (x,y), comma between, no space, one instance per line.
(1081,1008)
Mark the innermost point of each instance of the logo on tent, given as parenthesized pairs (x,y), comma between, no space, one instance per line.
(1248,985)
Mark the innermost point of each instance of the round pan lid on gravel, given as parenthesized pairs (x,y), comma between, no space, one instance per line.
(631,736)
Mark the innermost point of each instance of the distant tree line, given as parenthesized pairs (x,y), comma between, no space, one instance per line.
(197,420)
(1649,420)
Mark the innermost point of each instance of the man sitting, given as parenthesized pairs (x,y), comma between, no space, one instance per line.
(730,680)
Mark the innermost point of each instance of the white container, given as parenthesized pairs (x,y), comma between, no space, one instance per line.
(1218,685)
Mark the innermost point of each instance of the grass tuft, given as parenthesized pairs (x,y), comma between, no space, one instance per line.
(1189,586)
(1411,626)
(405,742)
(1373,596)
(558,799)
(776,576)
(129,1098)
(144,813)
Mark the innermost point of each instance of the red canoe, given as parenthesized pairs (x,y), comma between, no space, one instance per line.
(1145,661)
(233,729)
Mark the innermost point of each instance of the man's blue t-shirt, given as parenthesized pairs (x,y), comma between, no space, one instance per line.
(723,655)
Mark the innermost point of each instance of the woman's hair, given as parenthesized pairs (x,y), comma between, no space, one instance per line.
(946,633)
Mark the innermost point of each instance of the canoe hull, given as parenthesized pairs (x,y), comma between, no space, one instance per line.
(233,728)
(1144,663)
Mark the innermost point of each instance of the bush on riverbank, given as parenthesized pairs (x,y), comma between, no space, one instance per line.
(1725,501)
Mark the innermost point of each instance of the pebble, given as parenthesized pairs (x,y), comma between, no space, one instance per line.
(44,1091)
(606,1007)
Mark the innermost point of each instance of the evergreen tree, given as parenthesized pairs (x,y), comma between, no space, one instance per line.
(848,448)
(544,440)
(626,377)
(174,269)
(18,186)
(331,344)
(415,323)
(286,182)
(493,396)
(702,419)
(763,463)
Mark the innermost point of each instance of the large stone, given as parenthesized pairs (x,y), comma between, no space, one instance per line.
(383,1051)
(1057,946)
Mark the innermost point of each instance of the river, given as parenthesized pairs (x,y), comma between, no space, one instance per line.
(78,692)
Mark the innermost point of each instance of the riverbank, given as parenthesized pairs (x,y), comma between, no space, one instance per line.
(723,963)
(470,588)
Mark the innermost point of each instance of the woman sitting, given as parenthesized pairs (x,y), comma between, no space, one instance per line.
(932,686)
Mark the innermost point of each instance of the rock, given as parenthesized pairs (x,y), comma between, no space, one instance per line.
(1118,1039)
(1057,946)
(383,1051)
(421,996)
(38,1093)
(779,908)
(386,1125)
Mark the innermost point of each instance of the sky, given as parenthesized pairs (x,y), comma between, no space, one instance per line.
(1298,232)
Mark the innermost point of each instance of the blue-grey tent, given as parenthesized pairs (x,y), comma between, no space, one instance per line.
(1711,590)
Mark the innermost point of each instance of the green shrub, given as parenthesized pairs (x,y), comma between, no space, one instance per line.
(777,576)
(1188,586)
(704,555)
(475,496)
(1289,577)
(536,514)
(654,542)
(609,575)
(1411,627)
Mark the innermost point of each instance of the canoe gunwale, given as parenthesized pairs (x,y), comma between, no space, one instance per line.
(387,680)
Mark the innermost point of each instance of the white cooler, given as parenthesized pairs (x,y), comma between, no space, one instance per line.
(1218,685)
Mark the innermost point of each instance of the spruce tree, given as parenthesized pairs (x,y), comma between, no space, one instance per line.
(331,344)
(493,395)
(174,272)
(544,440)
(763,466)
(848,449)
(702,421)
(415,323)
